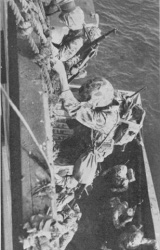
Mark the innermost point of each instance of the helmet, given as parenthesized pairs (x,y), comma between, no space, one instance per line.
(98,90)
(94,33)
(130,211)
(74,19)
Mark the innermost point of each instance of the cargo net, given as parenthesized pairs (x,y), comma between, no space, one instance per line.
(45,230)
(33,24)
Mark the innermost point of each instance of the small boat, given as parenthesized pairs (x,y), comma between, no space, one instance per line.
(95,226)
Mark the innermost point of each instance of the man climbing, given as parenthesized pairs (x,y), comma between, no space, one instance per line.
(71,37)
(96,110)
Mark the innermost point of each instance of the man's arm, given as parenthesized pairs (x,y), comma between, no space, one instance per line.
(83,112)
(60,69)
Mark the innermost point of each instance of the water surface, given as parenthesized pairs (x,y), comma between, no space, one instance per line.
(130,60)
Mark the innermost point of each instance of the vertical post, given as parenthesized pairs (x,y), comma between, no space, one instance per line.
(5,156)
(6,201)
(14,131)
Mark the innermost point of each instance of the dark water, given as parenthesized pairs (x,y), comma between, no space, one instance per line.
(130,60)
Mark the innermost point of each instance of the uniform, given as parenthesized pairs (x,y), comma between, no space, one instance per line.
(104,120)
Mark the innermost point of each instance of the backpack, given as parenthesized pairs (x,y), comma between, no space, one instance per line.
(130,125)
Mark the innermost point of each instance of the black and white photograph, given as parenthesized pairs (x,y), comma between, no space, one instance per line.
(80,124)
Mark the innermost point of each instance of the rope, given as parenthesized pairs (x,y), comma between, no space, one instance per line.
(41,18)
(33,44)
(39,30)
(41,14)
(47,79)
(38,23)
(24,3)
(16,11)
(25,123)
(42,9)
(28,5)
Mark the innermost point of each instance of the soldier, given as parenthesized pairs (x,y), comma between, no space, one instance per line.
(98,111)
(121,213)
(45,233)
(70,39)
(133,238)
(120,176)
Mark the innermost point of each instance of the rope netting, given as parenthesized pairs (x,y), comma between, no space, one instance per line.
(31,23)
(31,20)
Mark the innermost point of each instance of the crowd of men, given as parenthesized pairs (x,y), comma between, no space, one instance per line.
(112,117)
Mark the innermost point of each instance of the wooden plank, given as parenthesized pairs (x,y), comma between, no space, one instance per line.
(7,201)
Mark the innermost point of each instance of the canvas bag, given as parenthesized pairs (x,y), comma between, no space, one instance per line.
(85,168)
